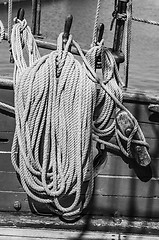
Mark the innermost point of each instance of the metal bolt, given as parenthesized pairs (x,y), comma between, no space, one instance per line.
(117,217)
(17,205)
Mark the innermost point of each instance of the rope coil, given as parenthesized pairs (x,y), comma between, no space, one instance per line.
(55,101)
(46,106)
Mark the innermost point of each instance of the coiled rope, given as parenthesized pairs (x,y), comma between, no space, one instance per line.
(52,118)
(55,101)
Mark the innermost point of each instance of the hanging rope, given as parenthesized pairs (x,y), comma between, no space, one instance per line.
(145,21)
(9,19)
(96,24)
(51,115)
(2,31)
(55,101)
(128,25)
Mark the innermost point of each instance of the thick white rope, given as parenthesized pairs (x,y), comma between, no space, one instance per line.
(55,101)
(10,3)
(52,118)
(2,31)
(96,24)
(128,26)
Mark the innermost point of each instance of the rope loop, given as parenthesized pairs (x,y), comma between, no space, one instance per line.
(23,23)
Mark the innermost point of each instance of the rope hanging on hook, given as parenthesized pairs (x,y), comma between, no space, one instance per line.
(55,102)
(51,115)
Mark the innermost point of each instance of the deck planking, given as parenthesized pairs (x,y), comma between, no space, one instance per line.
(38,234)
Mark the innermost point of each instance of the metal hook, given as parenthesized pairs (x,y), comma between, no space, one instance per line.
(67,27)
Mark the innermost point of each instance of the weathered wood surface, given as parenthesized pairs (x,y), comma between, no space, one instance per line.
(49,234)
(116,227)
(105,185)
(130,95)
(121,185)
(128,195)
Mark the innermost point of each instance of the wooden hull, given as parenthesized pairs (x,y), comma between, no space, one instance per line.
(123,190)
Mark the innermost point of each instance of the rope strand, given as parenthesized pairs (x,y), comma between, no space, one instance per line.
(2,31)
(96,24)
(9,19)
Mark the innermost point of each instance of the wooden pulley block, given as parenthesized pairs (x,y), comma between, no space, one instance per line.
(126,125)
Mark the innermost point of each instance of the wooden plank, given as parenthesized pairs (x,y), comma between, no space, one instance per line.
(9,182)
(7,125)
(120,185)
(7,96)
(6,139)
(137,108)
(150,130)
(130,94)
(138,96)
(125,206)
(114,165)
(6,83)
(49,234)
(141,112)
(111,194)
(86,223)
(5,162)
(153,147)
(7,122)
(108,205)
(8,199)
(36,234)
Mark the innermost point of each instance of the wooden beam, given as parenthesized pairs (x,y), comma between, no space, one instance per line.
(130,95)
(49,234)
(101,224)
